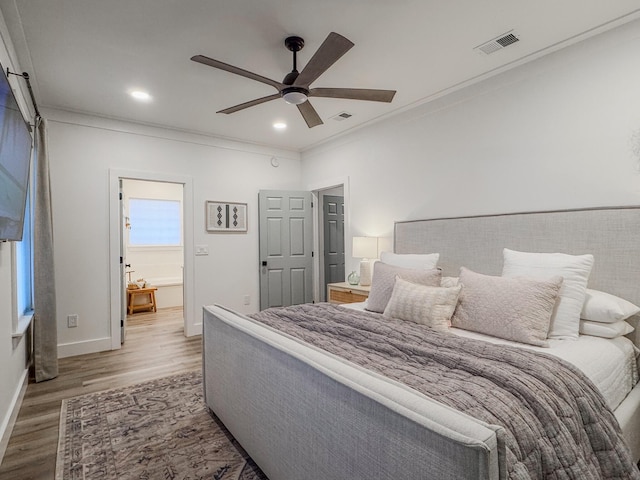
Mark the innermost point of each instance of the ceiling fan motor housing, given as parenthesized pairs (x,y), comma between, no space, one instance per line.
(290,77)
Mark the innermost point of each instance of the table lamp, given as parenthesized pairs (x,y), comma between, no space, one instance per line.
(365,248)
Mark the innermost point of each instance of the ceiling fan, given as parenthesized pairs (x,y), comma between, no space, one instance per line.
(295,88)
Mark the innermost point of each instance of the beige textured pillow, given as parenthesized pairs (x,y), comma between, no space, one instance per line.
(513,308)
(449,281)
(430,306)
(384,278)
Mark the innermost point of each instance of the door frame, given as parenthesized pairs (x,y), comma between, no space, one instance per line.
(315,189)
(114,251)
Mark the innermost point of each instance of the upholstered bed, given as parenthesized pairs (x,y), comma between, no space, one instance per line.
(303,412)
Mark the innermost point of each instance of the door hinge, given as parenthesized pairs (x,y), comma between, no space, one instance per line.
(312,254)
(120,196)
(120,260)
(311,204)
(121,323)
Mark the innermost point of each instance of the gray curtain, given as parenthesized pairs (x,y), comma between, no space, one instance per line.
(45,327)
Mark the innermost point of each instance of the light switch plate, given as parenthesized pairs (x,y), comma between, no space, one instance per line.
(202,250)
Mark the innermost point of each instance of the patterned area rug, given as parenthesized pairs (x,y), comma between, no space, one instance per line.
(154,430)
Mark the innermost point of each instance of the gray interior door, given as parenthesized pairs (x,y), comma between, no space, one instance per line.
(333,227)
(286,245)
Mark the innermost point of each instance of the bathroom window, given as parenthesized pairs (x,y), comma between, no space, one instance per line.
(155,222)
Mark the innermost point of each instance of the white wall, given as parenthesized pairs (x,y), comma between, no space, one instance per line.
(555,133)
(83,150)
(13,353)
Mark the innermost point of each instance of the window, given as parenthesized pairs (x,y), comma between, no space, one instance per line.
(24,266)
(23,271)
(155,222)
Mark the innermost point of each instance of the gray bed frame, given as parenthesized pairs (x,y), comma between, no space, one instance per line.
(304,414)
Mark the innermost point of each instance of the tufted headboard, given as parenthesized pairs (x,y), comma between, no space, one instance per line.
(612,235)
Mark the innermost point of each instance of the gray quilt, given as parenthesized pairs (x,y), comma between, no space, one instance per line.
(557,425)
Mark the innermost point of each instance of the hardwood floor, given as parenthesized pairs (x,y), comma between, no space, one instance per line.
(155,347)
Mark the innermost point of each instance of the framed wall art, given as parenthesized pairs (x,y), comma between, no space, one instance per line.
(226,217)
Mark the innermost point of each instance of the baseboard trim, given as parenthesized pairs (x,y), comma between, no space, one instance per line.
(196,329)
(10,420)
(82,348)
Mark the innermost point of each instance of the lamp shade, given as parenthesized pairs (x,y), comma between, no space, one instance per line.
(365,247)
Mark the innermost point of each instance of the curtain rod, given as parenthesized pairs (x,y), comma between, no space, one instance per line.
(25,75)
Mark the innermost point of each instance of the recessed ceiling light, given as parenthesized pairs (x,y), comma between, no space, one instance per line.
(279,125)
(140,95)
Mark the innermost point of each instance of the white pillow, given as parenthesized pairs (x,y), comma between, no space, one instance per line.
(411,260)
(574,269)
(606,330)
(430,306)
(604,307)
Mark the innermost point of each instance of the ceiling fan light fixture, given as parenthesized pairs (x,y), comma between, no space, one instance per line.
(295,95)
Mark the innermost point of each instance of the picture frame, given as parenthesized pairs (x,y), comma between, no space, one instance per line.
(226,217)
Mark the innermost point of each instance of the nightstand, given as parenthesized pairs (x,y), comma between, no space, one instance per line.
(344,292)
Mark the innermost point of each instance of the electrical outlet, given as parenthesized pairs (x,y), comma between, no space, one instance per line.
(72,321)
(247,300)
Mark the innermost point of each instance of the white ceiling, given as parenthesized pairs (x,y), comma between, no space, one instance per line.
(86,55)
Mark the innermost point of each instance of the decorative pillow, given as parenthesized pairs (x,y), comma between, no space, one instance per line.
(606,330)
(574,269)
(517,309)
(604,307)
(384,277)
(449,282)
(430,306)
(411,260)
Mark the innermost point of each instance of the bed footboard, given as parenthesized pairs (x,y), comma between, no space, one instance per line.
(304,414)
(628,416)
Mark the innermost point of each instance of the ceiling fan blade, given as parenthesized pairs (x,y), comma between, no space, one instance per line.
(257,101)
(354,94)
(238,71)
(309,114)
(333,47)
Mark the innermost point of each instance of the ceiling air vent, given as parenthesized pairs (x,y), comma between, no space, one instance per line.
(498,43)
(342,116)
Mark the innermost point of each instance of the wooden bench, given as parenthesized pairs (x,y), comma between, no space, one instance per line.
(132,293)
